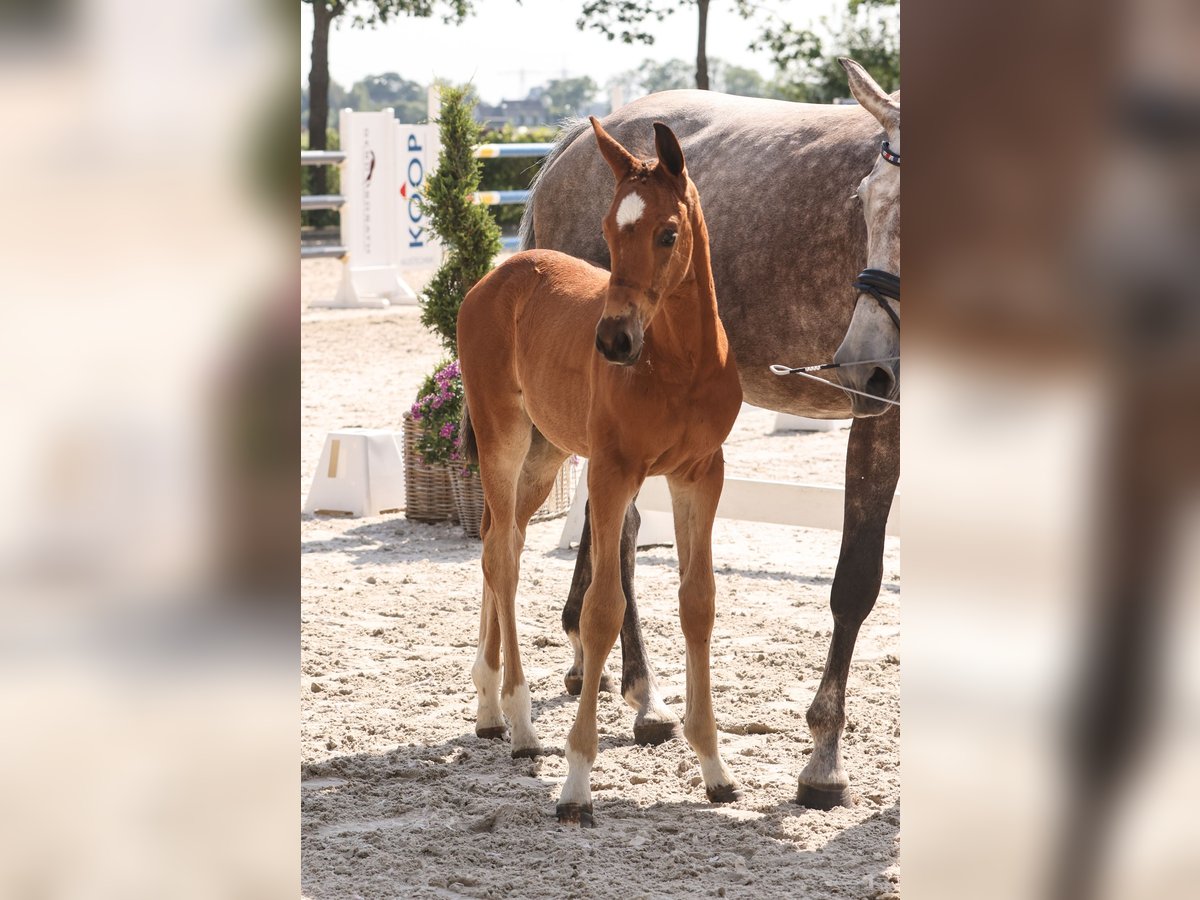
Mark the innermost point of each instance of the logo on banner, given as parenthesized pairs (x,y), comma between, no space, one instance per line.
(411,189)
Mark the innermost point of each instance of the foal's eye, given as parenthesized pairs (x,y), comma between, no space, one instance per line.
(667,238)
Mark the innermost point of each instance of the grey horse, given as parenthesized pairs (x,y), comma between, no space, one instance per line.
(798,198)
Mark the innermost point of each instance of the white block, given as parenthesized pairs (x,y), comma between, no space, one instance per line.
(361,473)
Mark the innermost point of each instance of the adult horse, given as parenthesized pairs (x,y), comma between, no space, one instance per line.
(798,197)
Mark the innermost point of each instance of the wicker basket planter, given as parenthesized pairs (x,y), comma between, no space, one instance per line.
(468,498)
(428,496)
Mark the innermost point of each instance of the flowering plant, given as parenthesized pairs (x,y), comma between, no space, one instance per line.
(439,409)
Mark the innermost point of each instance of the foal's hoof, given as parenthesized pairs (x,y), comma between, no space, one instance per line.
(723,793)
(575,814)
(527,752)
(823,798)
(652,732)
(574,683)
(494,733)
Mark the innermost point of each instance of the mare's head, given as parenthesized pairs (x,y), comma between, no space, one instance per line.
(873,334)
(650,237)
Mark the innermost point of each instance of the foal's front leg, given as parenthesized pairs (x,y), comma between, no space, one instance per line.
(694,497)
(610,489)
(655,722)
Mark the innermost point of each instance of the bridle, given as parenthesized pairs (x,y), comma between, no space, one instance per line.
(882,286)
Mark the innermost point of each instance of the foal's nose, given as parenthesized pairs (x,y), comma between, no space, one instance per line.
(617,341)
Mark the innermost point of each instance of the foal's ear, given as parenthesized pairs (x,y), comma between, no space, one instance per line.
(620,159)
(670,154)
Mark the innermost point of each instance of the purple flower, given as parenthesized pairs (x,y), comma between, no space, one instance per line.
(437,403)
(447,430)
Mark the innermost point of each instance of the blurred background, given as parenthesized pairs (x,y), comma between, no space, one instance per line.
(150,376)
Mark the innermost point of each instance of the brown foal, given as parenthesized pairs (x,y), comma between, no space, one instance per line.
(632,370)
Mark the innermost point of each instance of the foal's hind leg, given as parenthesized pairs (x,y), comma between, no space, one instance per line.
(504,441)
(574,605)
(694,498)
(655,721)
(489,721)
(872,469)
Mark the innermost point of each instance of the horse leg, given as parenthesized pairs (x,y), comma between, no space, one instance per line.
(504,439)
(655,722)
(611,489)
(574,605)
(694,497)
(872,469)
(489,721)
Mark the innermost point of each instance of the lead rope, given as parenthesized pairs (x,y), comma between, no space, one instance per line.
(803,372)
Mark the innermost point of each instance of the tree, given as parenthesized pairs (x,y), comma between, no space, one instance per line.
(389,89)
(868,32)
(366,13)
(625,19)
(744,81)
(468,231)
(568,96)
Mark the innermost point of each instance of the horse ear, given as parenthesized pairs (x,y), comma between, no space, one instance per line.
(872,97)
(620,159)
(670,154)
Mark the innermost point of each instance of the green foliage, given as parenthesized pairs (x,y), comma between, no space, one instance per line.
(627,19)
(369,13)
(467,230)
(439,410)
(807,58)
(568,96)
(672,74)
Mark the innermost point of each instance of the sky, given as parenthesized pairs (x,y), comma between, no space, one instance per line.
(506,48)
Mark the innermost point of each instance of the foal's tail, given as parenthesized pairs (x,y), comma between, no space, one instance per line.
(469,448)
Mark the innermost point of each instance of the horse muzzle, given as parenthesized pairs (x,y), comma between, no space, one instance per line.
(619,339)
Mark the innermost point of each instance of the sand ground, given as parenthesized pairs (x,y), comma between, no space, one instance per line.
(400,799)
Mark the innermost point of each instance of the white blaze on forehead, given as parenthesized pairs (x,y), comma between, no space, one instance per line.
(630,210)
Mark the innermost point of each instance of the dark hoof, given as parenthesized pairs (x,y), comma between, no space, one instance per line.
(823,798)
(574,683)
(723,793)
(491,734)
(527,753)
(649,734)
(574,814)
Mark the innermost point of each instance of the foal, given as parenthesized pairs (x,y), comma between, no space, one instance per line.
(632,370)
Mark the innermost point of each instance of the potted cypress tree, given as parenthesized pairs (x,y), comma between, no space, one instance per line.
(471,240)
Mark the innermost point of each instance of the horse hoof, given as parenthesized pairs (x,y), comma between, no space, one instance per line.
(494,733)
(723,793)
(574,683)
(527,753)
(823,798)
(575,814)
(648,734)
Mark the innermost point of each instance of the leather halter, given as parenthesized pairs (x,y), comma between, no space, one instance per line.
(881,285)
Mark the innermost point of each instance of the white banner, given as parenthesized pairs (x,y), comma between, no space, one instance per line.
(417,148)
